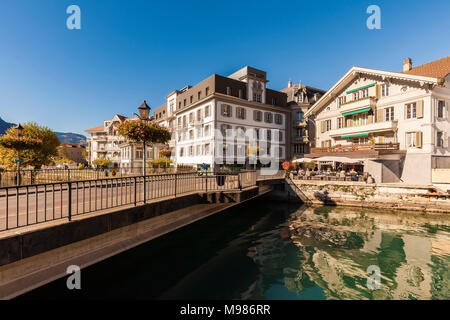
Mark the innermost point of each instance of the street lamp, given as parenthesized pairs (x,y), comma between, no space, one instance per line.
(144,112)
(19,132)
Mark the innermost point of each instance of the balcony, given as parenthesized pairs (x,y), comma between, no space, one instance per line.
(302,139)
(358,150)
(372,127)
(369,102)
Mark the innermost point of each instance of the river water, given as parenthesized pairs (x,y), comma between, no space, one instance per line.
(272,250)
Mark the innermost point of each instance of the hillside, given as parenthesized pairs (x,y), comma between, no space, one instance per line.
(62,136)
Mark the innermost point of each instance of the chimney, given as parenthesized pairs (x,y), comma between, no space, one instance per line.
(290,84)
(407,64)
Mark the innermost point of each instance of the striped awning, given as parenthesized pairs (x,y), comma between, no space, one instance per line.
(356,111)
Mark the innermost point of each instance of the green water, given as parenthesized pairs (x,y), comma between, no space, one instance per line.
(270,250)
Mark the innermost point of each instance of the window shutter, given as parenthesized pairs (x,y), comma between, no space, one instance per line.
(243,113)
(419,139)
(370,118)
(222,109)
(445,138)
(419,109)
(379,115)
(377,91)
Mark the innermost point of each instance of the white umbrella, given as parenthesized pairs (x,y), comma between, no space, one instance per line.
(339,159)
(301,160)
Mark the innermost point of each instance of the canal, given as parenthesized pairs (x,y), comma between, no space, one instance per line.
(273,250)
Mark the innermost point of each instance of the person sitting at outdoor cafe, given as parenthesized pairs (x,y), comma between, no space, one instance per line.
(342,174)
(308,173)
(353,172)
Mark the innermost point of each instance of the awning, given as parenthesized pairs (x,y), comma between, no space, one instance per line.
(357,111)
(369,85)
(301,160)
(338,159)
(355,135)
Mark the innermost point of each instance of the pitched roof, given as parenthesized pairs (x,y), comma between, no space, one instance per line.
(95,129)
(436,69)
(121,118)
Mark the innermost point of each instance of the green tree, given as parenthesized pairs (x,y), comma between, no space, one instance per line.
(101,162)
(37,157)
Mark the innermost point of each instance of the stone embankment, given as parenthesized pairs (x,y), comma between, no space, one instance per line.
(389,196)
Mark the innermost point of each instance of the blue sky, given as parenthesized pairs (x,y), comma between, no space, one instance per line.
(128,51)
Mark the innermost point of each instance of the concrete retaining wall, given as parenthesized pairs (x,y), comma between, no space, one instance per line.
(392,196)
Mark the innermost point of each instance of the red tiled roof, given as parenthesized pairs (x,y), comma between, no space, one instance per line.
(435,69)
(96,129)
(72,145)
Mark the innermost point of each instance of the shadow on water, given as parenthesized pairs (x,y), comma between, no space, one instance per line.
(274,250)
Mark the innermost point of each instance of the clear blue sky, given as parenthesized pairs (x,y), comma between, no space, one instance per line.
(128,51)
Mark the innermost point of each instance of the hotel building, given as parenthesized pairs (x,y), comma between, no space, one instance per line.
(397,123)
(199,117)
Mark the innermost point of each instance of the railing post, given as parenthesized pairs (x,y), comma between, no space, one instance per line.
(175,192)
(206,180)
(69,189)
(239,181)
(135,191)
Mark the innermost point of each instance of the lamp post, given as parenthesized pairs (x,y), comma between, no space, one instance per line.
(19,132)
(144,112)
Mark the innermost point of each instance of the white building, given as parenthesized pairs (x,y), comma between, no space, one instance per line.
(398,122)
(240,102)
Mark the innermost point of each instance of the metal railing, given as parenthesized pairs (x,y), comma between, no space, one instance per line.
(32,204)
(357,147)
(31,177)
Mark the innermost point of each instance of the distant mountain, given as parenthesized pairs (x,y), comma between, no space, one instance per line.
(71,137)
(62,136)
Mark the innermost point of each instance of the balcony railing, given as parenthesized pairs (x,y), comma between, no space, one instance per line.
(357,147)
(300,123)
(368,102)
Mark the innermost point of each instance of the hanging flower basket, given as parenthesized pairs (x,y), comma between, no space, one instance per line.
(139,131)
(165,153)
(19,143)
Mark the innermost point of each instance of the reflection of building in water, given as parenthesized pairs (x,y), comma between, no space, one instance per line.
(338,246)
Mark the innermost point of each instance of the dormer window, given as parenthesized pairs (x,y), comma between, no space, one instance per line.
(229,91)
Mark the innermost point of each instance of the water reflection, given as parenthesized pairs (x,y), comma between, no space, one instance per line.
(270,250)
(335,246)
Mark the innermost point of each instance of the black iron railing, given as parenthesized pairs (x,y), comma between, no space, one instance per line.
(32,204)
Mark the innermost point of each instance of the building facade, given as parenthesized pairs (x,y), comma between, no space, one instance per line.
(200,117)
(302,130)
(106,143)
(73,151)
(395,122)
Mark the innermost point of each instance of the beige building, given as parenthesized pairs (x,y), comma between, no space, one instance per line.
(73,151)
(299,99)
(397,123)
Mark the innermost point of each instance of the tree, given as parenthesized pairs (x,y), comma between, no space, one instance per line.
(101,162)
(36,157)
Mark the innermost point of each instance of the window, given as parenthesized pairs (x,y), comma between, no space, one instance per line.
(299,132)
(199,95)
(207,149)
(229,91)
(268,117)
(439,139)
(184,122)
(181,152)
(198,150)
(385,90)
(365,93)
(280,136)
(191,151)
(257,115)
(299,115)
(226,110)
(191,134)
(207,131)
(207,91)
(226,130)
(342,100)
(191,117)
(199,114)
(278,119)
(274,101)
(240,132)
(327,125)
(207,111)
(389,114)
(299,148)
(191,99)
(184,102)
(411,110)
(241,93)
(340,122)
(269,134)
(441,109)
(240,113)
(179,105)
(414,139)
(356,95)
(300,98)
(257,97)
(139,154)
(198,132)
